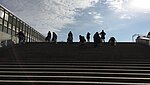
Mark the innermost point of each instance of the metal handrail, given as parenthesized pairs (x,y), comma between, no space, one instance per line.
(135,36)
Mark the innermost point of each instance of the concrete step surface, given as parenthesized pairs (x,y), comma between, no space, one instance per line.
(50,52)
(71,64)
(83,73)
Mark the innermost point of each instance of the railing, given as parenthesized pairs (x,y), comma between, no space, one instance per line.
(135,35)
(141,39)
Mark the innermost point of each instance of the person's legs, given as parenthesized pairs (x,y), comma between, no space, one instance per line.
(23,40)
(19,40)
(88,40)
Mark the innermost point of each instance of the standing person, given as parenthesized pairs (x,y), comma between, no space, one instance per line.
(82,40)
(88,37)
(54,39)
(21,37)
(103,35)
(70,37)
(97,39)
(48,38)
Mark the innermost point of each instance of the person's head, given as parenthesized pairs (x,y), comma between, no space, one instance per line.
(96,32)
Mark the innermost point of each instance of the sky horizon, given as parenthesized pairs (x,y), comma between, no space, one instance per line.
(118,18)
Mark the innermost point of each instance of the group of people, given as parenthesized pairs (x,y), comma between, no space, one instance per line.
(54,38)
(81,38)
(99,38)
(21,37)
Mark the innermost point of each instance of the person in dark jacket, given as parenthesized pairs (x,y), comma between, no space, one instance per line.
(82,39)
(103,35)
(54,39)
(88,37)
(97,39)
(70,37)
(21,37)
(112,41)
(48,38)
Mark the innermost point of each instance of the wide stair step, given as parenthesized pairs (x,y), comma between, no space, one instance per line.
(76,73)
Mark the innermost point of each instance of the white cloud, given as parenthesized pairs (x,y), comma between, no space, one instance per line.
(129,9)
(125,16)
(98,16)
(117,5)
(47,15)
(140,4)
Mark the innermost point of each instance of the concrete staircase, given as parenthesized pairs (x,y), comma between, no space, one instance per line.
(76,73)
(49,52)
(63,64)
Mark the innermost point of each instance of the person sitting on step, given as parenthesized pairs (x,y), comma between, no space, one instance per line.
(112,41)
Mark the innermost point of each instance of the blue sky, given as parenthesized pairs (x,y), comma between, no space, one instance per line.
(119,18)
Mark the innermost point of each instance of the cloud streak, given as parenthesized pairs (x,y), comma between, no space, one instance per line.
(53,15)
(78,16)
(47,15)
(129,9)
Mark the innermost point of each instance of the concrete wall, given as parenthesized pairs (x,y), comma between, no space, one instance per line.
(5,36)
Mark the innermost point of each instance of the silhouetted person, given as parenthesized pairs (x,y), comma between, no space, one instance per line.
(54,39)
(148,35)
(88,37)
(112,41)
(21,37)
(103,35)
(82,40)
(48,38)
(97,39)
(70,37)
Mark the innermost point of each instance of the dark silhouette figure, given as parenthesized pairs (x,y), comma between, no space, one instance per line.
(48,38)
(54,39)
(88,37)
(103,35)
(21,37)
(70,37)
(82,40)
(97,39)
(112,41)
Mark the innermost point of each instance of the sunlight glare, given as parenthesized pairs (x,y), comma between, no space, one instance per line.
(140,4)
